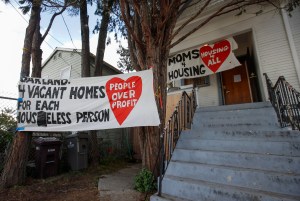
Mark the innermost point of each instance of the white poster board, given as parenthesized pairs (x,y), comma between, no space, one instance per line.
(94,103)
(206,60)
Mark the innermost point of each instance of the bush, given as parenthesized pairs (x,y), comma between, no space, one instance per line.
(144,181)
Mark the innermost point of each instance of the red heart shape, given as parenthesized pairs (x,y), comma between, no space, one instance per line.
(123,95)
(214,57)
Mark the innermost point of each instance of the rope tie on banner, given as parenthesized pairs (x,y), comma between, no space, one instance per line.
(25,49)
(158,95)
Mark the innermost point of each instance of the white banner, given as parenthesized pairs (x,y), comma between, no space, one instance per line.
(94,103)
(206,60)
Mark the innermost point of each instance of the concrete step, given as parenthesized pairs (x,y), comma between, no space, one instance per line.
(240,177)
(238,114)
(244,106)
(238,134)
(233,119)
(199,190)
(291,148)
(237,125)
(266,162)
(165,197)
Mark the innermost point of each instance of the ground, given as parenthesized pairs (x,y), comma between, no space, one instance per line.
(70,186)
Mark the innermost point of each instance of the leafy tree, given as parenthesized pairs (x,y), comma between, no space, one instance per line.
(110,21)
(125,62)
(8,125)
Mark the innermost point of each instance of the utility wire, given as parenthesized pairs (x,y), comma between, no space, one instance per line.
(18,11)
(68,30)
(49,34)
(26,20)
(41,27)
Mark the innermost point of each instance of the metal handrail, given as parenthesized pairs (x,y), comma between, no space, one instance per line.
(181,119)
(286,102)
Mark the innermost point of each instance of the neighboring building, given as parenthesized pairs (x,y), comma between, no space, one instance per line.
(268,42)
(65,63)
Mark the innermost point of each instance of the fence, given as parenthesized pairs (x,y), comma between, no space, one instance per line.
(286,102)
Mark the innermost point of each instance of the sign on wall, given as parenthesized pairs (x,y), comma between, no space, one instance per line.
(94,103)
(206,60)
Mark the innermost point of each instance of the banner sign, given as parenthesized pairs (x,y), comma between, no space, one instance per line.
(209,59)
(94,103)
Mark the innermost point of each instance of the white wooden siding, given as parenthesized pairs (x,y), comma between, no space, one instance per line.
(69,58)
(270,45)
(54,66)
(274,50)
(208,96)
(295,28)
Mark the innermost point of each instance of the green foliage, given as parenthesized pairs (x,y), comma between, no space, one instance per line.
(144,181)
(124,64)
(7,124)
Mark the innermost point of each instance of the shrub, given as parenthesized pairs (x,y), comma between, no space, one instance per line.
(144,181)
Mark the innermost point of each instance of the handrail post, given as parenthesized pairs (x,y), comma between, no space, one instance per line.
(161,164)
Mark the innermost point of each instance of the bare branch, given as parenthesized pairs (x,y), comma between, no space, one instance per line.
(185,4)
(191,19)
(126,17)
(51,22)
(216,14)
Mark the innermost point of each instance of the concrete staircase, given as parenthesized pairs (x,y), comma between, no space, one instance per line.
(234,153)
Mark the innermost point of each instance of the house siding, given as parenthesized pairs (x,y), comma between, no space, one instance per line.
(270,43)
(274,50)
(54,66)
(208,96)
(294,22)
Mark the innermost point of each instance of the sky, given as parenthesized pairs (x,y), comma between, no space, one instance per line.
(13,26)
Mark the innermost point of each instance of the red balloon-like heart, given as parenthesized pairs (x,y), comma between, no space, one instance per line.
(123,95)
(214,57)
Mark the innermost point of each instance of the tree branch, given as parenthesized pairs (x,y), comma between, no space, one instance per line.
(51,22)
(191,19)
(216,14)
(126,17)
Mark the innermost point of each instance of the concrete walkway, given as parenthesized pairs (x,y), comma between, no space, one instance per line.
(118,186)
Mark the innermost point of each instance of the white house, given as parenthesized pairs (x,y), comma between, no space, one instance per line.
(232,151)
(268,42)
(65,63)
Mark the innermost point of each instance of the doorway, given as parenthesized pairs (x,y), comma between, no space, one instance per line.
(236,86)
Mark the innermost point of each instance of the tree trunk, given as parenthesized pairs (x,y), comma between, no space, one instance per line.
(94,152)
(85,50)
(102,38)
(36,51)
(85,72)
(14,171)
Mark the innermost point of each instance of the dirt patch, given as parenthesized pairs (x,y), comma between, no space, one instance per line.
(71,186)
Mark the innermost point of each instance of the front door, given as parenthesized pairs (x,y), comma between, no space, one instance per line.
(236,88)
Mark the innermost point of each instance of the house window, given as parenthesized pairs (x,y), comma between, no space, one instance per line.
(198,81)
(65,73)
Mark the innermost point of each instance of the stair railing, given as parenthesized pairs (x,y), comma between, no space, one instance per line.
(181,119)
(286,102)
